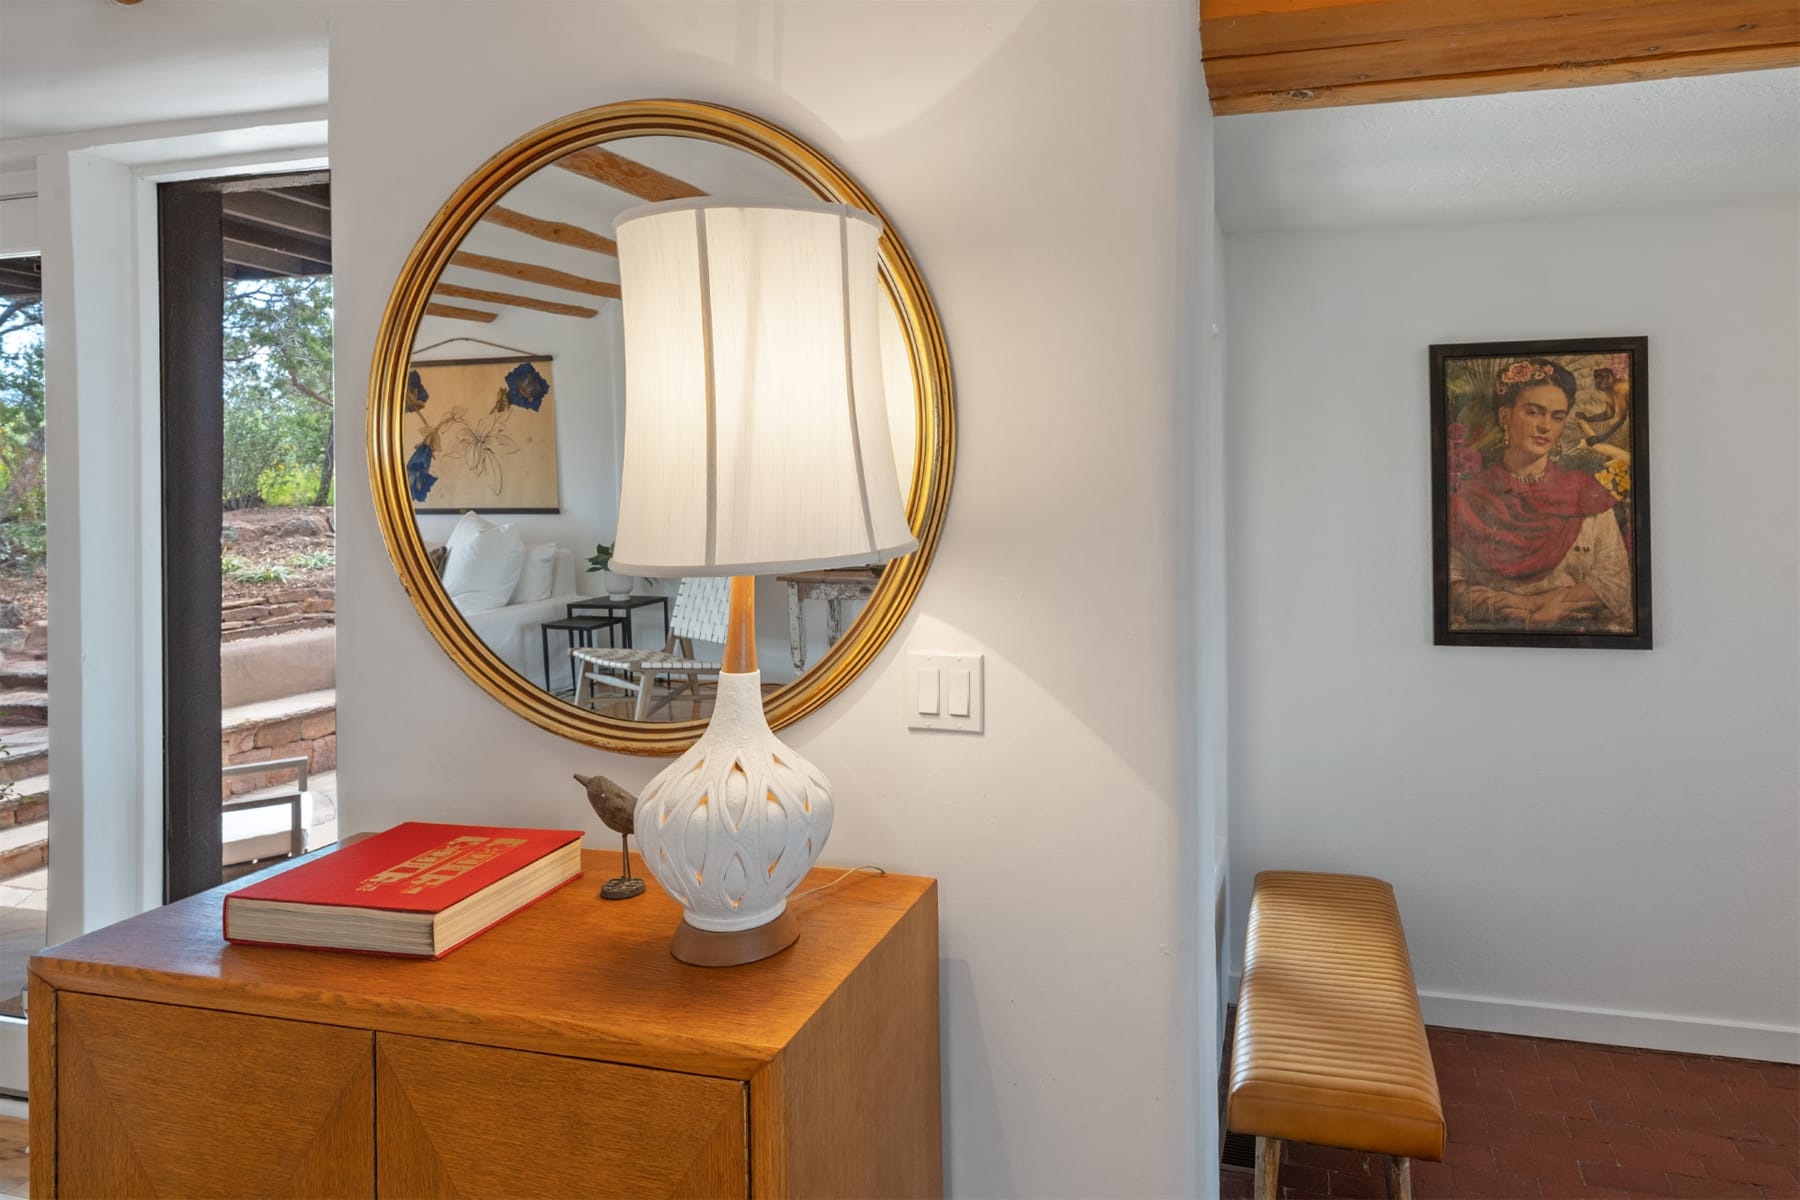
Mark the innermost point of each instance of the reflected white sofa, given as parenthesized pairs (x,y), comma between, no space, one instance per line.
(514,632)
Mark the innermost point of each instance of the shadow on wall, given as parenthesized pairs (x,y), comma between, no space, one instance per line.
(971,1109)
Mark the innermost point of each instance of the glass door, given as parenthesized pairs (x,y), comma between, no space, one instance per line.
(24,652)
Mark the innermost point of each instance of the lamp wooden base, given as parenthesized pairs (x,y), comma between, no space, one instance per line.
(702,948)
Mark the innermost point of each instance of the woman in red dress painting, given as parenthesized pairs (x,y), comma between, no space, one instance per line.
(1533,544)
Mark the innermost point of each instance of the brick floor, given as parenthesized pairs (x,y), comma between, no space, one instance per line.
(1531,1117)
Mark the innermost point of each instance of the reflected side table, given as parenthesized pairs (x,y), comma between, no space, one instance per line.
(580,631)
(833,587)
(626,605)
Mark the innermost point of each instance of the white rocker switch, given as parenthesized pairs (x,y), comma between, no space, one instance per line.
(956,698)
(928,691)
(943,691)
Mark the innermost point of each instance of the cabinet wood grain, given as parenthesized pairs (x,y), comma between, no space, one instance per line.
(562,1052)
(459,1120)
(157,1100)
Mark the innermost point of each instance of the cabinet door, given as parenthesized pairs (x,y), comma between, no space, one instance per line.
(460,1120)
(160,1100)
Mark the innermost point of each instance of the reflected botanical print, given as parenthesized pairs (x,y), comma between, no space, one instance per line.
(487,440)
(1541,519)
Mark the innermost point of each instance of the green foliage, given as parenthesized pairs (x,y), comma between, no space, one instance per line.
(278,415)
(602,556)
(286,486)
(244,571)
(312,560)
(22,543)
(22,434)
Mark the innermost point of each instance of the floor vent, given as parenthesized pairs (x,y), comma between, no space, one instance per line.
(1238,1152)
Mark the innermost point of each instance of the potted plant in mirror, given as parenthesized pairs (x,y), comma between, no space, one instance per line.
(617,586)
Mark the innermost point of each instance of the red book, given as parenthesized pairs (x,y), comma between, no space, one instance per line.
(418,889)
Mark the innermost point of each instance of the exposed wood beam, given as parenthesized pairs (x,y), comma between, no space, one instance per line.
(458,314)
(279,184)
(317,250)
(1495,82)
(457,291)
(552,231)
(237,254)
(272,208)
(531,273)
(603,166)
(1263,55)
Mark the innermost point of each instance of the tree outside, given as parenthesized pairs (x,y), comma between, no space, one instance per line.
(278,442)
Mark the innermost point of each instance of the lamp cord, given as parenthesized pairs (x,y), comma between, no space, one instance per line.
(847,874)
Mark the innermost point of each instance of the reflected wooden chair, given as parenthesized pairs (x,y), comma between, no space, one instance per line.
(699,613)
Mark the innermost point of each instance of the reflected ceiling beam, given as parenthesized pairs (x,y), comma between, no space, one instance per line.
(531,273)
(552,231)
(459,292)
(1270,55)
(646,183)
(458,314)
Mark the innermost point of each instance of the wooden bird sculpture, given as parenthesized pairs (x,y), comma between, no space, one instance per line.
(616,808)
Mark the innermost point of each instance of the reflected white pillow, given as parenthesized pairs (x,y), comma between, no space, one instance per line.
(485,563)
(538,574)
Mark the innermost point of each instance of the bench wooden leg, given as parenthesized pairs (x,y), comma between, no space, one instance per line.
(1268,1167)
(1399,1178)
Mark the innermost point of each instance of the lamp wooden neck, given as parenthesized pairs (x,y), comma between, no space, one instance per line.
(740,626)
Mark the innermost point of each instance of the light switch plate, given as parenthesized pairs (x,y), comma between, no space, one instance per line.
(938,686)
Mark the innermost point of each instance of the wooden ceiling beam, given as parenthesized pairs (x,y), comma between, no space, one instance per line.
(270,207)
(1265,55)
(271,262)
(267,237)
(532,273)
(458,292)
(552,231)
(634,178)
(458,314)
(1493,83)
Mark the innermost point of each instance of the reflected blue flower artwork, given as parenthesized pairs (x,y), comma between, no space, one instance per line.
(418,472)
(525,388)
(416,395)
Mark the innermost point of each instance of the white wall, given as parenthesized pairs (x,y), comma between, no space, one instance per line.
(1593,844)
(1033,156)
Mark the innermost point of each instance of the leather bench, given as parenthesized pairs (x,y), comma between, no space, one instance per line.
(1330,1047)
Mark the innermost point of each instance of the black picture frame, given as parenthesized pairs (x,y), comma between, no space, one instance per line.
(1521,552)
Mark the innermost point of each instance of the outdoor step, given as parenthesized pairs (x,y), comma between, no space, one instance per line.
(24,848)
(19,707)
(30,801)
(24,674)
(27,753)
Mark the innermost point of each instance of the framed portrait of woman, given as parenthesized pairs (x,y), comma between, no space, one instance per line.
(1540,493)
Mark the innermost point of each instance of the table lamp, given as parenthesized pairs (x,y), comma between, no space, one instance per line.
(756,441)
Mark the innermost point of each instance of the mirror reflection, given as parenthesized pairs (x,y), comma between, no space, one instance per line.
(513,429)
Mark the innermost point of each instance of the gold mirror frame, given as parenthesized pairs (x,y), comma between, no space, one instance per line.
(933,460)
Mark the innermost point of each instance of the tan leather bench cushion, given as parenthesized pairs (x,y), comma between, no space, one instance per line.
(1330,1047)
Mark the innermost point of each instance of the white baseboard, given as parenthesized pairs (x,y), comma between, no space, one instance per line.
(1609,1027)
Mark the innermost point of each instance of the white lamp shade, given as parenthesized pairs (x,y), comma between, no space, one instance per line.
(756,435)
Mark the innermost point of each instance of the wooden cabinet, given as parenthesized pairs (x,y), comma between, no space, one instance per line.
(562,1053)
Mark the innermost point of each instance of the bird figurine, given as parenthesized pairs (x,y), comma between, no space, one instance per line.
(615,807)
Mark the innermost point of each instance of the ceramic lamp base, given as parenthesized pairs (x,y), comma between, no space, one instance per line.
(703,948)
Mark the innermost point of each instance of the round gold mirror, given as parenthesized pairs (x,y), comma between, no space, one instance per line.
(497,421)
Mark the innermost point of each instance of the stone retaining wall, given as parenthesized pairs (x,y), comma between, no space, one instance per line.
(310,735)
(278,612)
